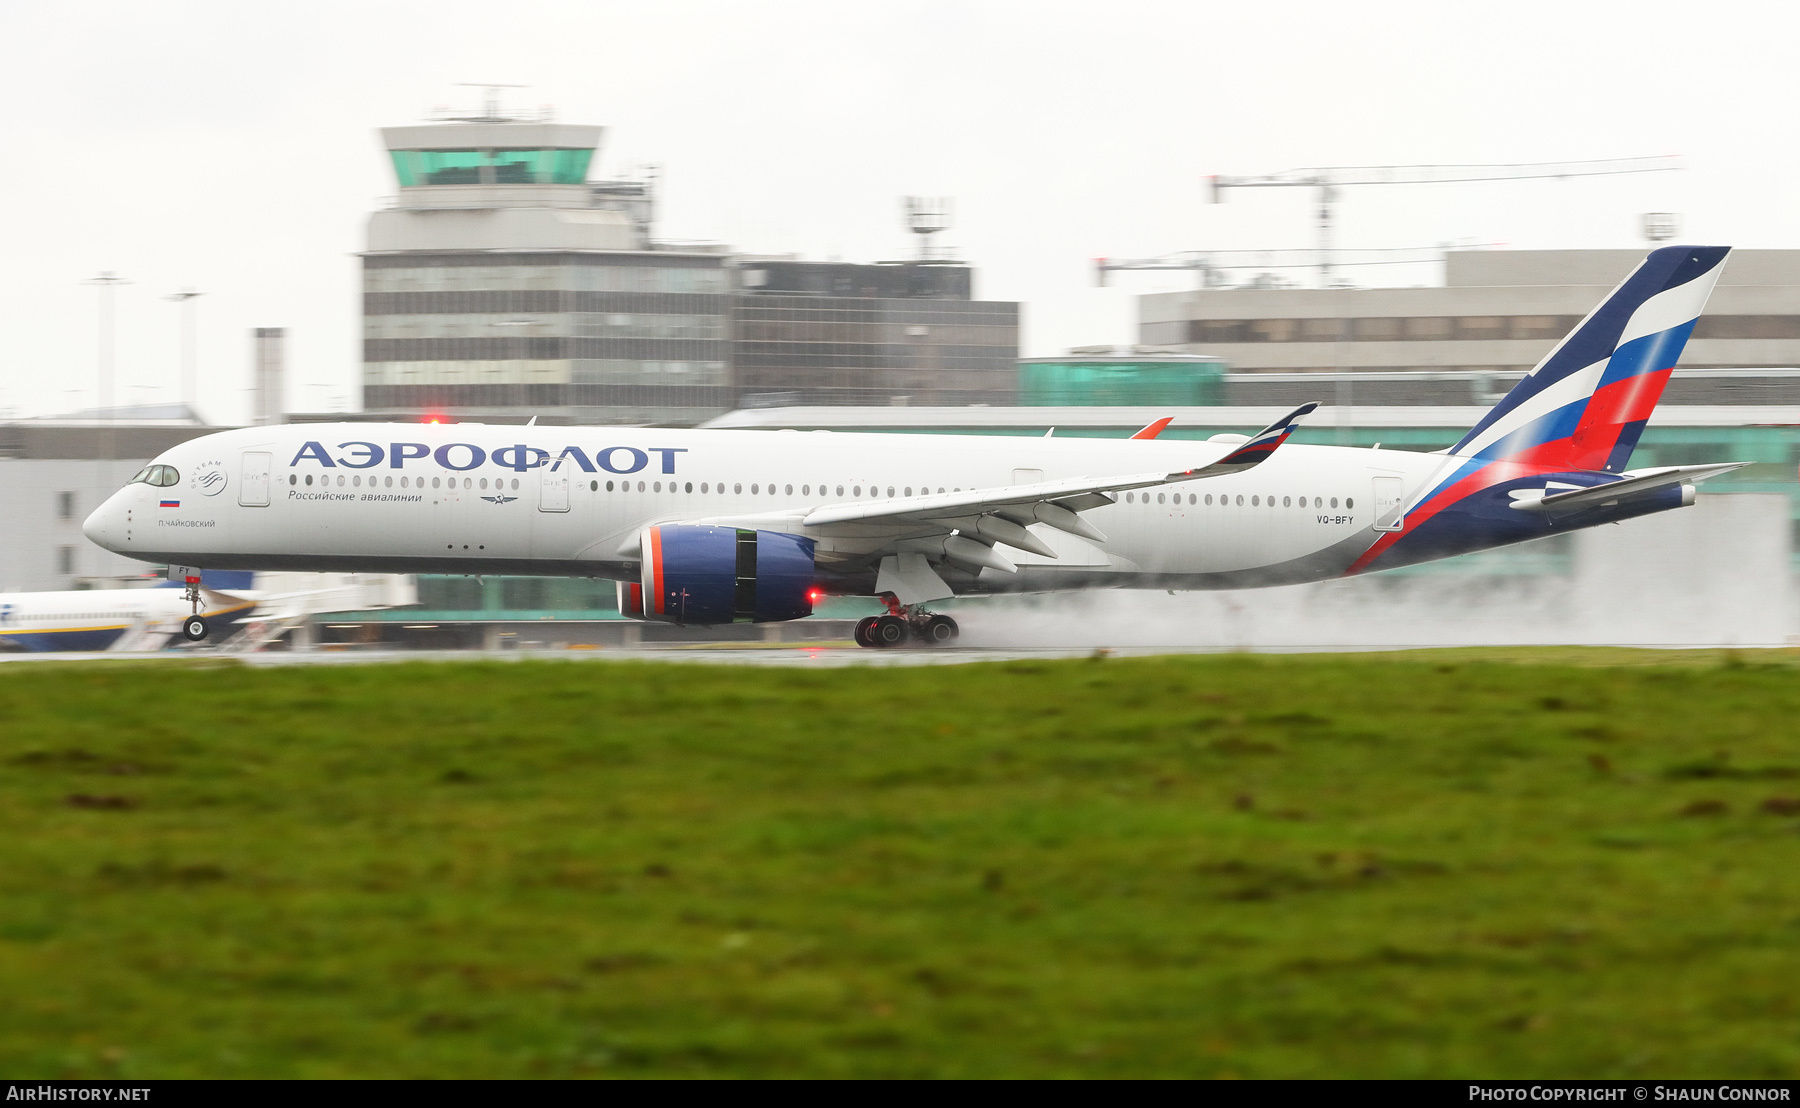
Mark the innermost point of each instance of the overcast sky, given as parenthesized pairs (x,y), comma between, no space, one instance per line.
(230,147)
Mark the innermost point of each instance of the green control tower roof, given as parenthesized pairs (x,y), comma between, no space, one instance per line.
(497,153)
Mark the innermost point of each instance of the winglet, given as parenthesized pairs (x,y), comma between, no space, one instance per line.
(1154,429)
(1257,448)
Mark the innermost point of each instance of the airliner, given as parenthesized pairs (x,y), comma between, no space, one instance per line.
(142,619)
(708,527)
(118,619)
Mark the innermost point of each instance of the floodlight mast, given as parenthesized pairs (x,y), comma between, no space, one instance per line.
(1330,179)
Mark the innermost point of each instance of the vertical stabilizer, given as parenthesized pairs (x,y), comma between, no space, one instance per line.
(1585,405)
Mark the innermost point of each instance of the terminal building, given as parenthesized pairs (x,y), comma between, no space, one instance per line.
(503,282)
(1497,314)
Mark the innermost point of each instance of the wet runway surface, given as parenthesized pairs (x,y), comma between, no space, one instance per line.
(797,654)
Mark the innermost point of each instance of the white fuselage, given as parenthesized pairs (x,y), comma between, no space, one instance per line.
(568,500)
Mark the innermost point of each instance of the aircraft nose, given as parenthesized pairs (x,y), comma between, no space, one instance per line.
(106,525)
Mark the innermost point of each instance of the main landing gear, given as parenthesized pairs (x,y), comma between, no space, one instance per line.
(902,625)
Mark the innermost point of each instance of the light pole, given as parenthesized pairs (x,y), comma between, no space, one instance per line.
(107,282)
(189,384)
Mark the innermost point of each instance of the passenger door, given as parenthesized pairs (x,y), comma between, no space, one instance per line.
(253,479)
(1389,504)
(553,490)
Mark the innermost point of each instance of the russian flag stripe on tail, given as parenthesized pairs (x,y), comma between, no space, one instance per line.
(1585,405)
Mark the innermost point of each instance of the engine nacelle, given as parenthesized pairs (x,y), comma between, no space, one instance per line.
(694,573)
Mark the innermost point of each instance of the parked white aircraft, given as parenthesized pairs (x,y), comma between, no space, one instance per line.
(110,619)
(713,526)
(122,620)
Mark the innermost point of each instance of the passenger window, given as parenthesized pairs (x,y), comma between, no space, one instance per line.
(1255,501)
(1131,498)
(1240,500)
(840,491)
(1349,503)
(1159,499)
(658,487)
(594,486)
(788,490)
(703,485)
(1209,499)
(805,490)
(515,482)
(640,486)
(857,491)
(1334,502)
(1192,499)
(609,486)
(293,480)
(689,487)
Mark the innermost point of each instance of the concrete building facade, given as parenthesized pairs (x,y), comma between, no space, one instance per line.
(1499,312)
(899,333)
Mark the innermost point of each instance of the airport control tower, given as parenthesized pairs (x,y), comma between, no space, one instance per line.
(502,281)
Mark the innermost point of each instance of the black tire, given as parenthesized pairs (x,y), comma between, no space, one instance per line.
(864,628)
(939,631)
(890,631)
(195,629)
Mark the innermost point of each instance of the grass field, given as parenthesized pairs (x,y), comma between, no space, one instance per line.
(1438,864)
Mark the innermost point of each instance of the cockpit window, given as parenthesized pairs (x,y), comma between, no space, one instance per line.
(160,476)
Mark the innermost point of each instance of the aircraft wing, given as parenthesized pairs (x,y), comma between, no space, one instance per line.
(1068,496)
(963,527)
(1632,483)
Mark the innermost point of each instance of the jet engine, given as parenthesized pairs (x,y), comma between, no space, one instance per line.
(693,573)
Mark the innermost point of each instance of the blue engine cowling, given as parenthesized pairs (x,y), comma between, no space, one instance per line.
(693,573)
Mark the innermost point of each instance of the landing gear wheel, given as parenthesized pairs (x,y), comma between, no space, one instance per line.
(195,629)
(939,631)
(865,632)
(889,631)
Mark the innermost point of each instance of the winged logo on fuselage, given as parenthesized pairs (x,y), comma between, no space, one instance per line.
(499,499)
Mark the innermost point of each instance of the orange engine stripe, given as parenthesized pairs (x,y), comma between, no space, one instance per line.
(656,576)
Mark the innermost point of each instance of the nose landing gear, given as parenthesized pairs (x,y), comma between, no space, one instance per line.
(902,624)
(194,628)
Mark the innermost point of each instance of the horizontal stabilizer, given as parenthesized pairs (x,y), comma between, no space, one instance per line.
(1632,483)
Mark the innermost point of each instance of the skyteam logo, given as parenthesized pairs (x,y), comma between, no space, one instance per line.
(209,478)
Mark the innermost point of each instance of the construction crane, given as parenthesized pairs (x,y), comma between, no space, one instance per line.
(1209,262)
(1329,180)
